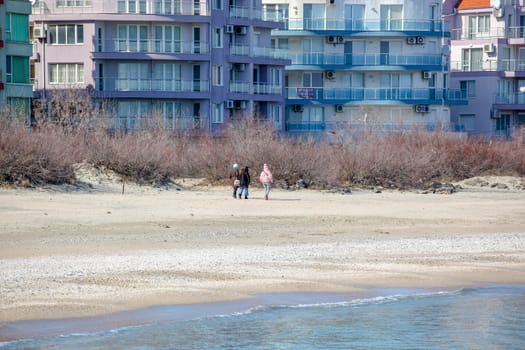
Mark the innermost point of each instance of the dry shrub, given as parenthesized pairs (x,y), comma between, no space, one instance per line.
(410,159)
(41,156)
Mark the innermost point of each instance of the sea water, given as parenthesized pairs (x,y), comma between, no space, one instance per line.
(491,317)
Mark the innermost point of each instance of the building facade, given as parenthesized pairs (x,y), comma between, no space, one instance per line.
(15,50)
(488,64)
(196,63)
(364,64)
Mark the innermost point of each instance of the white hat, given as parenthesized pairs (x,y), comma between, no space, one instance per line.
(235,166)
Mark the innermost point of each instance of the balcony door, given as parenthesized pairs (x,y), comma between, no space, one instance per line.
(313,16)
(391,17)
(354,17)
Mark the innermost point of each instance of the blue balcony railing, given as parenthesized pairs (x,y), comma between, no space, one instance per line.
(348,59)
(340,24)
(373,94)
(510,99)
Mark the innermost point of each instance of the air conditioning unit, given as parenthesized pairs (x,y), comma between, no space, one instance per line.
(331,39)
(229,104)
(421,108)
(411,40)
(39,32)
(489,48)
(229,29)
(298,108)
(426,75)
(239,67)
(339,108)
(340,39)
(330,74)
(241,30)
(420,40)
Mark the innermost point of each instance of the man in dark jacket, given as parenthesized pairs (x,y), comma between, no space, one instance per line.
(245,182)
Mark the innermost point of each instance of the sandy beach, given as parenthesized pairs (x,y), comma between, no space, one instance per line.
(67,253)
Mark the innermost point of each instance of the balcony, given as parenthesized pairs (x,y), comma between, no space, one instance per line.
(495,65)
(404,95)
(511,99)
(154,85)
(342,59)
(381,127)
(347,25)
(257,88)
(151,46)
(245,12)
(262,52)
(466,34)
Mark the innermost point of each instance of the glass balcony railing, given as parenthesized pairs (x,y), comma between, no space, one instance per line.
(467,34)
(245,12)
(362,25)
(373,94)
(510,99)
(152,46)
(322,58)
(255,88)
(167,85)
(501,65)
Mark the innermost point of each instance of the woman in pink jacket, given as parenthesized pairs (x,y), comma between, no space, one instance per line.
(266,179)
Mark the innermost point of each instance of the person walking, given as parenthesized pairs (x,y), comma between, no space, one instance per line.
(245,182)
(235,179)
(266,179)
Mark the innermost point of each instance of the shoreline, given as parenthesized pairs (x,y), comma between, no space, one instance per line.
(154,315)
(81,254)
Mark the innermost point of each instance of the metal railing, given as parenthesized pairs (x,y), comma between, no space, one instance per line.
(373,94)
(168,85)
(255,88)
(466,34)
(360,25)
(321,58)
(510,99)
(495,65)
(152,46)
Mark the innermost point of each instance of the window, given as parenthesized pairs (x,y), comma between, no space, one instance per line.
(218,113)
(66,73)
(217,42)
(17,27)
(65,34)
(391,17)
(478,26)
(217,4)
(171,113)
(472,60)
(17,69)
(275,12)
(217,75)
(275,113)
(279,43)
(167,77)
(313,79)
(467,122)
(130,112)
(133,76)
(132,38)
(167,39)
(313,16)
(131,6)
(168,7)
(468,88)
(74,3)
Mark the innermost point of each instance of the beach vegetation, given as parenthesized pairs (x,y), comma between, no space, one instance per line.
(47,153)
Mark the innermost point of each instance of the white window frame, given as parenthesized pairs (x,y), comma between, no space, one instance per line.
(132,6)
(128,44)
(53,31)
(218,113)
(66,73)
(163,43)
(218,75)
(218,37)
(469,86)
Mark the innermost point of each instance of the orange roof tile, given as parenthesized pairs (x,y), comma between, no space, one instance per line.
(473,4)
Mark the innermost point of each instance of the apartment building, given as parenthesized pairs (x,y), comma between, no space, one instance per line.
(197,63)
(364,64)
(15,51)
(488,64)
